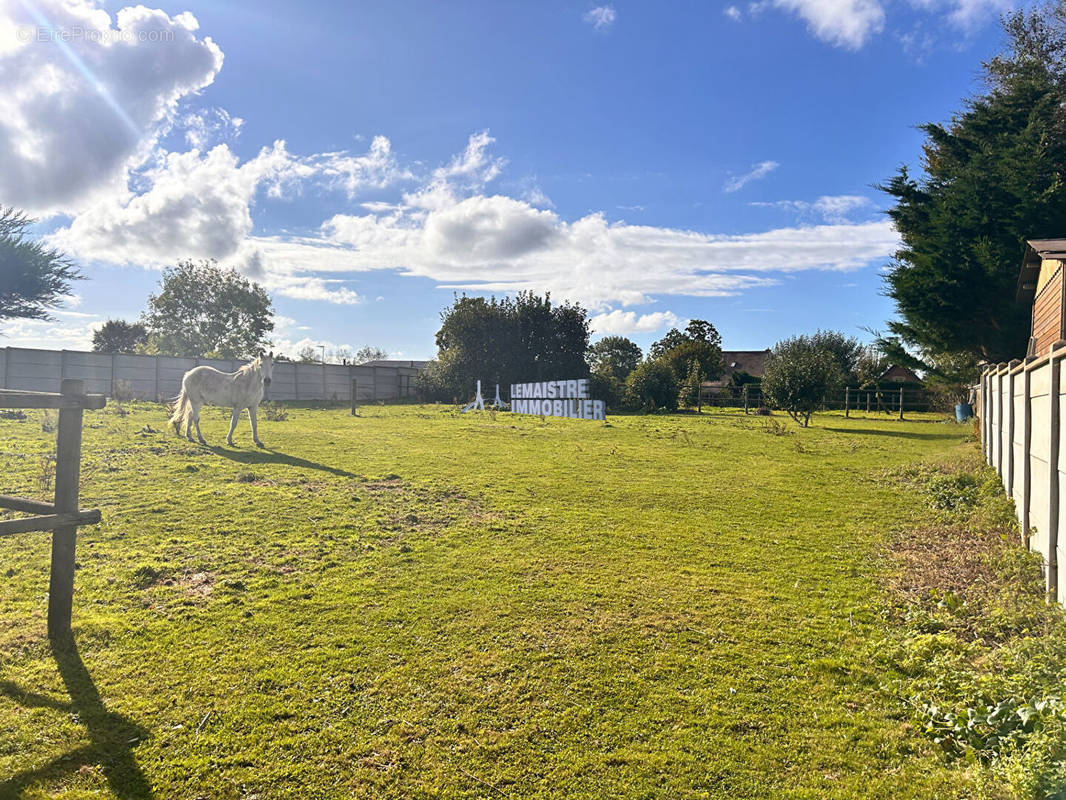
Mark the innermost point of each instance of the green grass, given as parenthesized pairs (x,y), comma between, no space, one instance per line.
(414,603)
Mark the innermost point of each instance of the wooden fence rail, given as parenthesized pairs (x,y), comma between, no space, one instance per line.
(63,516)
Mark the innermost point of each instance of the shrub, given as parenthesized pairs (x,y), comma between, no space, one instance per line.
(652,385)
(799,373)
(612,390)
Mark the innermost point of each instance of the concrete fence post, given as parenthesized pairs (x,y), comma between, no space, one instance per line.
(1011,424)
(1054,365)
(997,423)
(1027,445)
(986,414)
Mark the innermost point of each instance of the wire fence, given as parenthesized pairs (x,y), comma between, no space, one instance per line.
(895,400)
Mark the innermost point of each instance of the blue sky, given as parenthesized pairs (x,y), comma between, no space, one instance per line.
(364,161)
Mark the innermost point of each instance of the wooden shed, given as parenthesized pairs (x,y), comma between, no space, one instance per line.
(1041,283)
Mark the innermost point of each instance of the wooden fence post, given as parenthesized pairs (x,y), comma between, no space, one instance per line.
(847,401)
(745,398)
(901,402)
(68,469)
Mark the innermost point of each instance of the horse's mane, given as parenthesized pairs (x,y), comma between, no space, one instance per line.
(254,364)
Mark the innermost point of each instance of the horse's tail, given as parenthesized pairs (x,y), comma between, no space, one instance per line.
(182,410)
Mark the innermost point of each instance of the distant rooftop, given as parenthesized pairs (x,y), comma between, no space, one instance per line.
(391,362)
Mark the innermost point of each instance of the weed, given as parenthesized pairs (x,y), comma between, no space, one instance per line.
(13,414)
(776,427)
(274,412)
(49,421)
(46,474)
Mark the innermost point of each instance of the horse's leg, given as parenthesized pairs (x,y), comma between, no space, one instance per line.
(189,423)
(255,427)
(236,415)
(196,418)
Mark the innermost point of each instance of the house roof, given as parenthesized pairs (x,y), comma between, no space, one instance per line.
(753,362)
(899,374)
(1036,250)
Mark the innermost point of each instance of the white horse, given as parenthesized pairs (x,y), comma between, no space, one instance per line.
(241,389)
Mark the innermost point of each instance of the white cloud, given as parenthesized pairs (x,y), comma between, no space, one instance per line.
(844,23)
(76,334)
(210,126)
(74,114)
(620,322)
(375,170)
(831,208)
(733,13)
(969,15)
(757,172)
(601,17)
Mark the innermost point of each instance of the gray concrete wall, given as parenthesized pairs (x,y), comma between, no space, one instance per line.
(159,377)
(1023,411)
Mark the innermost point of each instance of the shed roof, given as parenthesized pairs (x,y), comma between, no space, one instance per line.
(1036,250)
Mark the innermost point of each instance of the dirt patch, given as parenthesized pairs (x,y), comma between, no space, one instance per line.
(947,558)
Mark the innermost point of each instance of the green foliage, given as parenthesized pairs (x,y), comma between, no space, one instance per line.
(608,388)
(979,657)
(33,278)
(652,386)
(614,355)
(204,310)
(700,341)
(954,491)
(119,336)
(506,341)
(800,372)
(993,177)
(846,351)
(689,395)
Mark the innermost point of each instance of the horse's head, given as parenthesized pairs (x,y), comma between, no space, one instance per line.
(266,366)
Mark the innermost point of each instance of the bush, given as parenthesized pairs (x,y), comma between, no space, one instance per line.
(799,373)
(605,386)
(651,386)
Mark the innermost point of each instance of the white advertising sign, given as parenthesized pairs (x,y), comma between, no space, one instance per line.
(556,399)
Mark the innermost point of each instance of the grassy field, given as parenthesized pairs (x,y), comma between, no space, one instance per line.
(414,603)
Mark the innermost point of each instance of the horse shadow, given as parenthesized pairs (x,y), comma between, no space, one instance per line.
(112,737)
(268,456)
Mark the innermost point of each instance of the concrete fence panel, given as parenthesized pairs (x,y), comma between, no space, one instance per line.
(159,377)
(1022,407)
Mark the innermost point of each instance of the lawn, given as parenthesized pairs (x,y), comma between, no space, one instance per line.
(416,603)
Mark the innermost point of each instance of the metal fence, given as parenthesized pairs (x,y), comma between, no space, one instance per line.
(1021,405)
(159,377)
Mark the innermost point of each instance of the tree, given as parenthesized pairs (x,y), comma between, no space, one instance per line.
(119,336)
(506,341)
(616,356)
(993,177)
(697,330)
(309,354)
(690,387)
(707,355)
(33,278)
(845,350)
(651,386)
(700,341)
(799,374)
(204,310)
(368,353)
